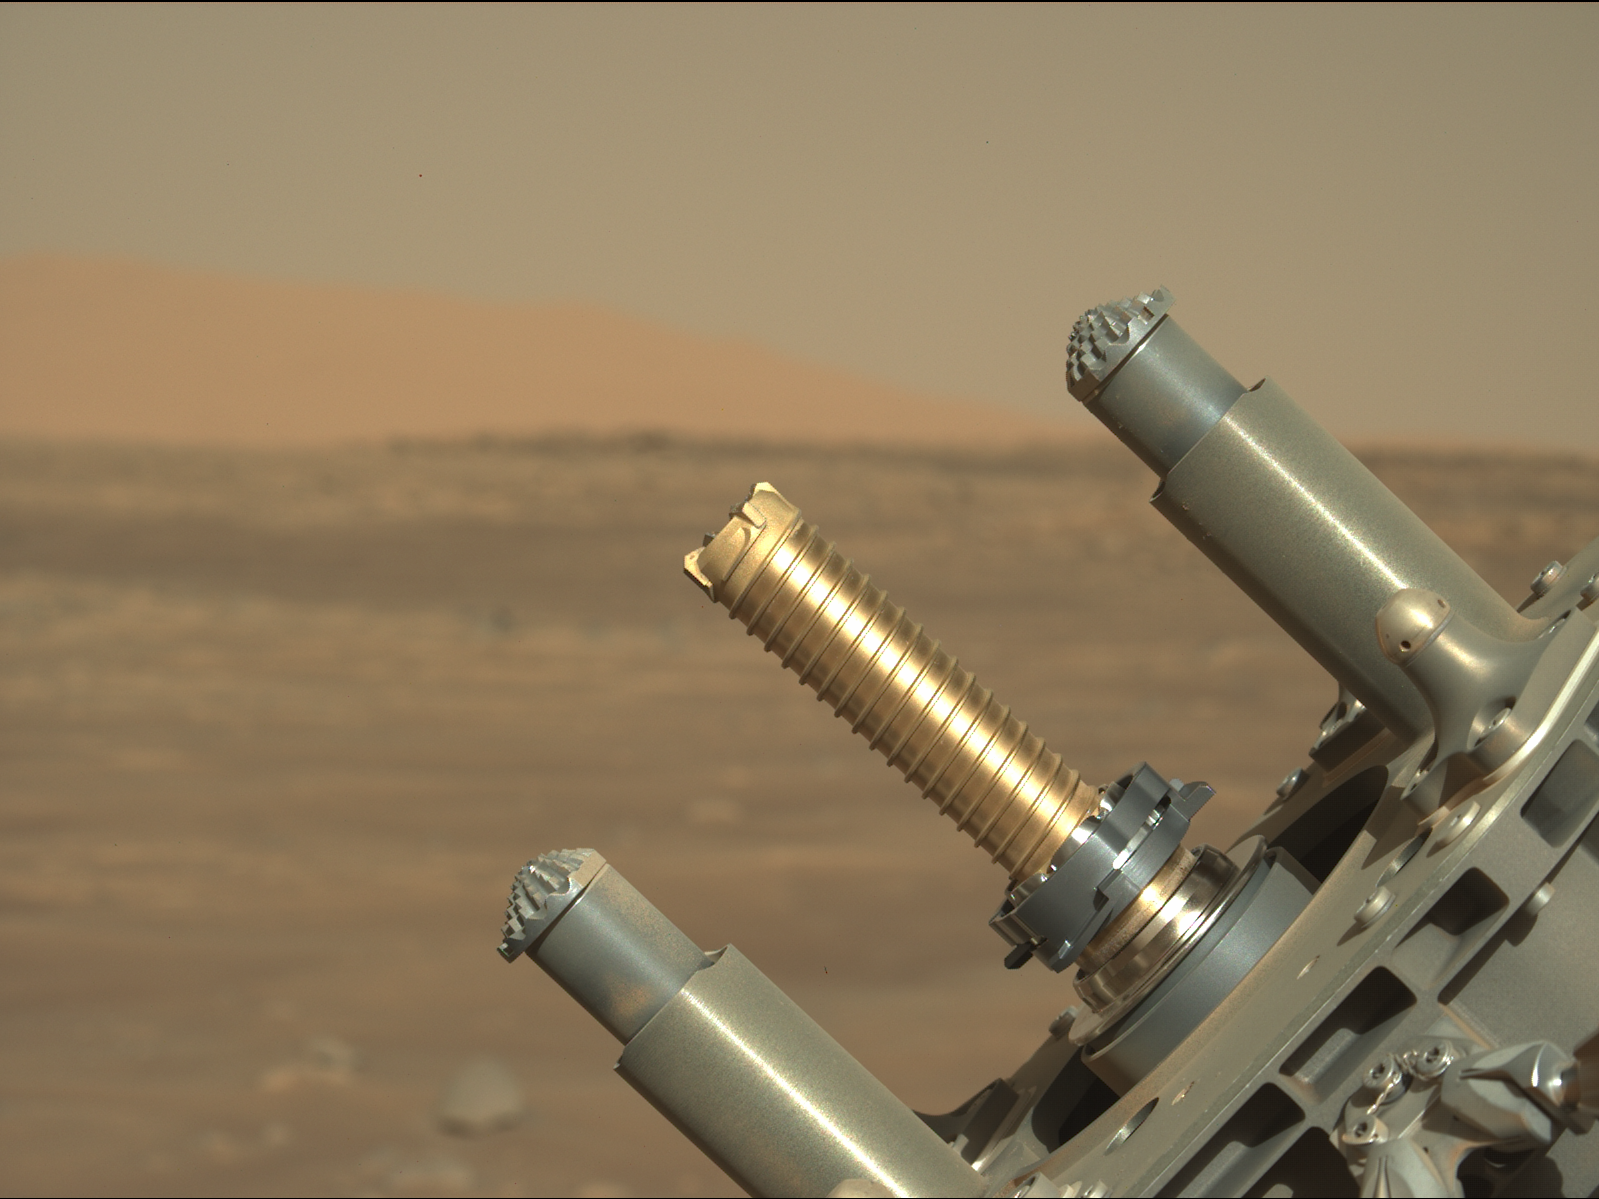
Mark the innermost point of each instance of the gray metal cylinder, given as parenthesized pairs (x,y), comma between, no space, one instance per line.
(1320,544)
(613,952)
(1259,914)
(716,1047)
(1166,396)
(1270,497)
(776,1102)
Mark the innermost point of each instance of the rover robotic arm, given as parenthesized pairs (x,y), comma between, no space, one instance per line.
(1388,986)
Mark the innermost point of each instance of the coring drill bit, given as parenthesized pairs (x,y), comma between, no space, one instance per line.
(896,687)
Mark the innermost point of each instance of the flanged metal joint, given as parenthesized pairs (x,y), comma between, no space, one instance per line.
(1141,822)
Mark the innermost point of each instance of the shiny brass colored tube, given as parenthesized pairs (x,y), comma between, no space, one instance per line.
(877,669)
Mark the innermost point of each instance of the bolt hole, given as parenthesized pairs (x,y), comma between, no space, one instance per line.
(1404,645)
(1125,1132)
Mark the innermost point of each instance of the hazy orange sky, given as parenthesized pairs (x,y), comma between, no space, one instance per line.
(1390,210)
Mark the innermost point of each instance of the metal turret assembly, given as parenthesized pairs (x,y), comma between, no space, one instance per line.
(1379,989)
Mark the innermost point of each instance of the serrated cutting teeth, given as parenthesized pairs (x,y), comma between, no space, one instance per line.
(537,887)
(1102,337)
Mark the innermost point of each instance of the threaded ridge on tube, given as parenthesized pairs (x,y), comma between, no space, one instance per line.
(895,685)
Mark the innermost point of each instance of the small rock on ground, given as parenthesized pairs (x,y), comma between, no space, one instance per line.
(482,1097)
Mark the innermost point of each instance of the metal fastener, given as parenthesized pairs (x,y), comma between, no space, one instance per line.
(1548,577)
(1384,1074)
(1368,1130)
(1451,829)
(1062,1024)
(1378,902)
(1434,1060)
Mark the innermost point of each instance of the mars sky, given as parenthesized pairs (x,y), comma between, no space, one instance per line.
(1390,210)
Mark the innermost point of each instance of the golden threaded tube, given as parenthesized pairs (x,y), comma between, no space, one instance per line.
(878,670)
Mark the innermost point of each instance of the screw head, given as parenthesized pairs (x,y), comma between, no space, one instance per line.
(1450,830)
(1368,1130)
(1384,1072)
(1434,1060)
(1378,902)
(1548,577)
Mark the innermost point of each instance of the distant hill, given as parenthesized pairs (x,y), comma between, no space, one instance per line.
(135,351)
